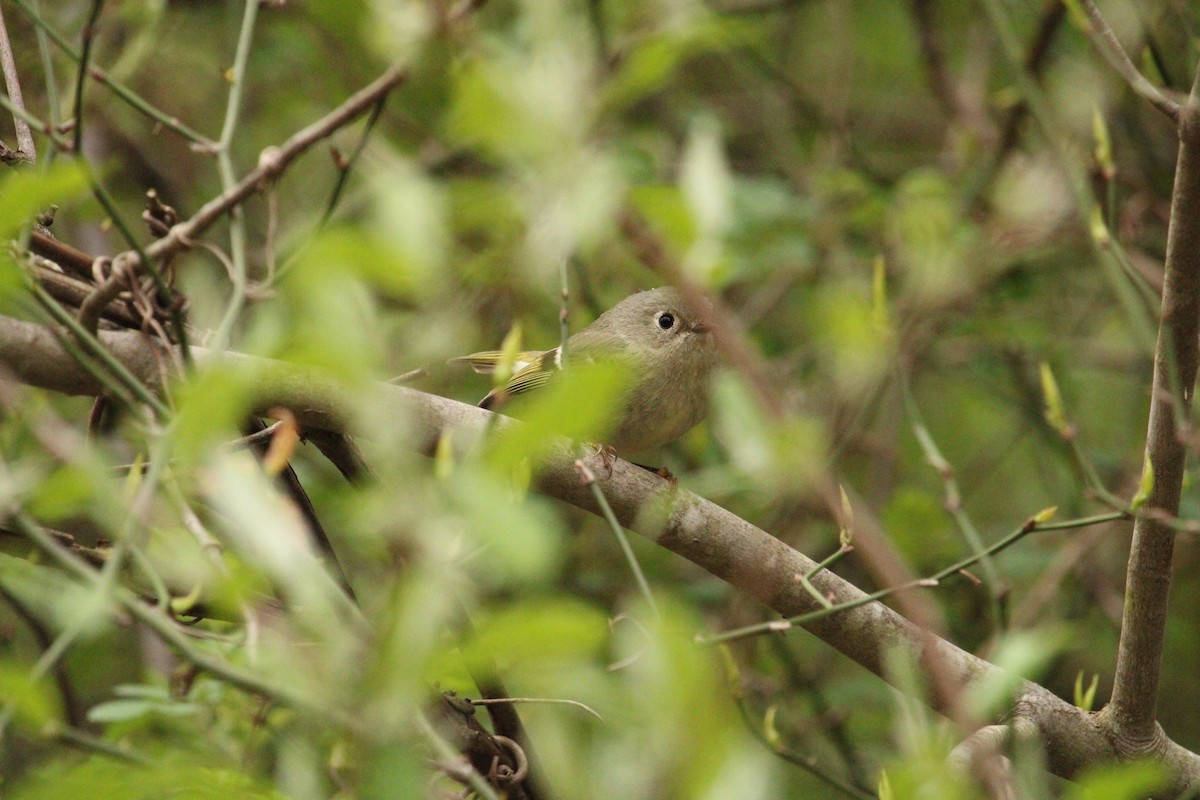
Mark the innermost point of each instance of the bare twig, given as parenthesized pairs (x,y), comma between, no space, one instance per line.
(121,90)
(274,161)
(953,504)
(237,226)
(346,163)
(1117,58)
(588,478)
(12,83)
(74,261)
(105,292)
(488,701)
(85,54)
(72,292)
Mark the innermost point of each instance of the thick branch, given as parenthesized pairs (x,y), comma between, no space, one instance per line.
(725,545)
(1148,581)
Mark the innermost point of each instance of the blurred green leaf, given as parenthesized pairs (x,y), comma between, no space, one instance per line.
(1086,698)
(348,251)
(56,600)
(1021,656)
(667,211)
(1118,782)
(1145,485)
(35,704)
(105,779)
(522,538)
(66,491)
(581,403)
(777,456)
(535,633)
(26,192)
(211,406)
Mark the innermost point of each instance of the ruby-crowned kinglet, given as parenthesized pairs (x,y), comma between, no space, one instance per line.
(664,339)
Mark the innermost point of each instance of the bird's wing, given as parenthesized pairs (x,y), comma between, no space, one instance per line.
(487,362)
(534,373)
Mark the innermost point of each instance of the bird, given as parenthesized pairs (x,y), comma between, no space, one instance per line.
(667,341)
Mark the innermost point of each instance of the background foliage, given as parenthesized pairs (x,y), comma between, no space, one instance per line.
(838,173)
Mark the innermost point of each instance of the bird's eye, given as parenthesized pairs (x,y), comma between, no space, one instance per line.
(666,321)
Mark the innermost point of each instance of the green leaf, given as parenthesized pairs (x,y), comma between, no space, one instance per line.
(1132,781)
(107,779)
(1054,413)
(1085,699)
(65,492)
(26,192)
(879,297)
(776,456)
(1020,655)
(581,403)
(35,703)
(705,179)
(346,251)
(538,633)
(54,598)
(1145,486)
(212,404)
(125,710)
(884,789)
(521,538)
(1103,149)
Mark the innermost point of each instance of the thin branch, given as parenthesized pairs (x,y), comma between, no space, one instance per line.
(588,478)
(20,112)
(12,84)
(167,630)
(94,744)
(237,225)
(52,103)
(953,504)
(85,54)
(274,161)
(451,758)
(73,261)
(346,163)
(809,764)
(1115,55)
(121,90)
(932,581)
(490,701)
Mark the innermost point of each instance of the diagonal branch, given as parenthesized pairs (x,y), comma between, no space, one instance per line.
(715,539)
(1118,59)
(274,161)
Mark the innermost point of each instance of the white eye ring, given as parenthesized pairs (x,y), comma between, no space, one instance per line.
(665,320)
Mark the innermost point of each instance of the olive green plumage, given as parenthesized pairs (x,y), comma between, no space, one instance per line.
(663,337)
